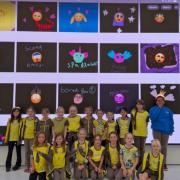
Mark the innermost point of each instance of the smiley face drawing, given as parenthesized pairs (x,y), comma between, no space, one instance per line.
(78,17)
(37,16)
(159,18)
(159,58)
(37,57)
(78,98)
(35,98)
(119,98)
(118,19)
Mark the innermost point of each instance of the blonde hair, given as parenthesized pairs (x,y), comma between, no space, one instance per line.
(60,108)
(128,134)
(82,129)
(156,142)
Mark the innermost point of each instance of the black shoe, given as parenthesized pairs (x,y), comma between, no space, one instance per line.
(16,167)
(8,169)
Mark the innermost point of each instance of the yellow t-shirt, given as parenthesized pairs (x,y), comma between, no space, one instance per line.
(29,132)
(96,154)
(14,131)
(141,124)
(114,155)
(59,156)
(111,127)
(153,162)
(123,126)
(100,126)
(58,125)
(81,157)
(40,164)
(73,123)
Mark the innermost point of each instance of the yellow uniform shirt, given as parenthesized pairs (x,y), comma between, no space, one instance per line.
(114,155)
(29,131)
(39,161)
(81,152)
(153,162)
(58,125)
(123,126)
(14,131)
(95,154)
(59,157)
(141,124)
(100,126)
(73,123)
(111,127)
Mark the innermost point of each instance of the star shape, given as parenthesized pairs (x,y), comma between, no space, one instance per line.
(133,9)
(131,19)
(119,30)
(105,12)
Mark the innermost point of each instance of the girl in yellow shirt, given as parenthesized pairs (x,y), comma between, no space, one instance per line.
(13,138)
(123,124)
(96,159)
(38,162)
(152,166)
(112,158)
(58,158)
(73,124)
(140,119)
(81,148)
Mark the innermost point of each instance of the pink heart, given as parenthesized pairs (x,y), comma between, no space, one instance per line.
(53,16)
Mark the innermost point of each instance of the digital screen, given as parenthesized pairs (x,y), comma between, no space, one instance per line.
(103,53)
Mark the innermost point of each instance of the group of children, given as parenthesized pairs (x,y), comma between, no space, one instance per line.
(91,148)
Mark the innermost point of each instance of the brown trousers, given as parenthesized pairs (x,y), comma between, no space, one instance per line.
(28,151)
(83,174)
(113,174)
(163,138)
(139,142)
(59,174)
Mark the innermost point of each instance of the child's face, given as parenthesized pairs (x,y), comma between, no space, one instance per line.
(82,135)
(160,101)
(73,111)
(59,140)
(113,138)
(99,114)
(16,113)
(97,141)
(45,114)
(41,138)
(139,106)
(60,113)
(155,148)
(88,111)
(110,116)
(30,113)
(129,139)
(123,113)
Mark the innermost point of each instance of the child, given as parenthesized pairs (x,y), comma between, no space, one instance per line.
(152,166)
(87,123)
(73,124)
(45,124)
(140,118)
(58,158)
(112,159)
(96,159)
(29,130)
(123,124)
(13,138)
(38,162)
(128,157)
(81,147)
(100,126)
(59,123)
(111,124)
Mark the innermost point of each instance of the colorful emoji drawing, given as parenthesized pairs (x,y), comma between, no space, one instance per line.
(159,58)
(37,57)
(37,17)
(78,56)
(78,98)
(78,17)
(159,18)
(119,57)
(119,98)
(36,95)
(118,19)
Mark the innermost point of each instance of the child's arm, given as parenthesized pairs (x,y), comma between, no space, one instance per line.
(91,162)
(101,161)
(65,131)
(32,164)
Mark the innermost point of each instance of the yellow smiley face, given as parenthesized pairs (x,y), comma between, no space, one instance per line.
(159,18)
(119,17)
(78,17)
(159,58)
(37,16)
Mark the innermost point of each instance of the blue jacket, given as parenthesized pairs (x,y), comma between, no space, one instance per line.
(162,119)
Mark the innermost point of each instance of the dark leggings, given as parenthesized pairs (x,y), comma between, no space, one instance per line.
(34,176)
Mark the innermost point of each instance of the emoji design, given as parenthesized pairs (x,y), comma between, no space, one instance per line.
(36,57)
(78,99)
(78,17)
(119,98)
(118,19)
(159,18)
(36,96)
(159,58)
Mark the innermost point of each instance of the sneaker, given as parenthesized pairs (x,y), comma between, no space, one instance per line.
(8,169)
(16,167)
(165,167)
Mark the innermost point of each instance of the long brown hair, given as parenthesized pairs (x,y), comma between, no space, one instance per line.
(36,143)
(139,101)
(63,142)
